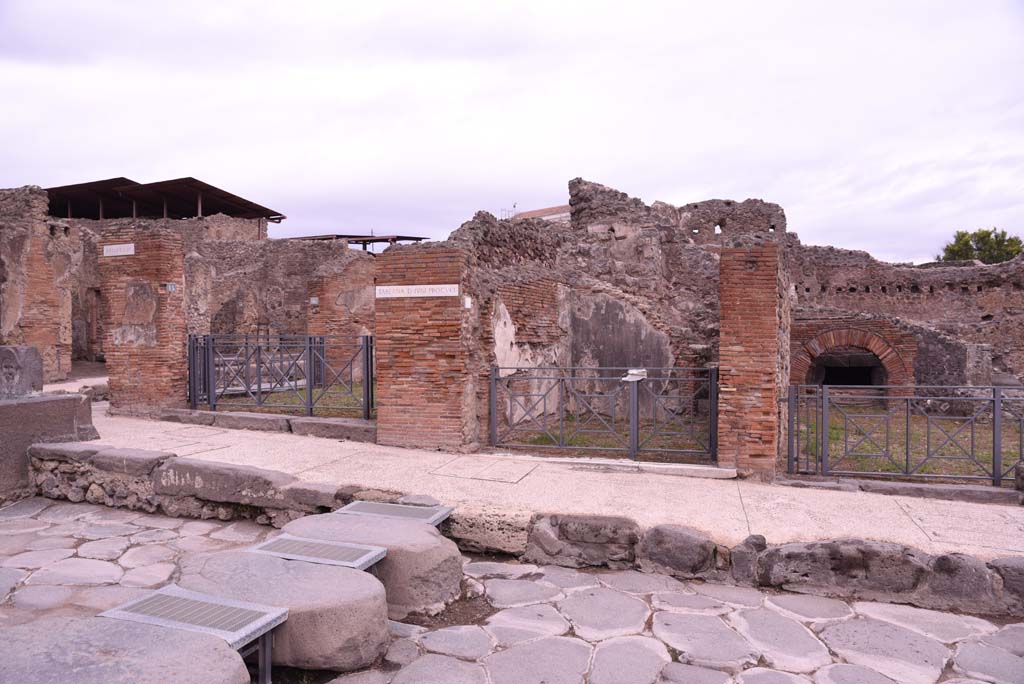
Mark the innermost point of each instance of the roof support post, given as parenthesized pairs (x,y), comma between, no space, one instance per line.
(135,210)
(165,206)
(69,208)
(101,208)
(199,204)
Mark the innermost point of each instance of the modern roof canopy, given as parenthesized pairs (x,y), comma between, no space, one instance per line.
(364,240)
(178,198)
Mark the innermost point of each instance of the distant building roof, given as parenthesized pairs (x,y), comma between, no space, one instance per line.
(178,198)
(548,213)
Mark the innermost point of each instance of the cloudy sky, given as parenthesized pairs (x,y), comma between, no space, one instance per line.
(881,126)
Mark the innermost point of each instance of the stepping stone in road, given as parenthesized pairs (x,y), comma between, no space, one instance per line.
(896,652)
(944,627)
(101,651)
(633,659)
(704,640)
(598,614)
(988,663)
(844,673)
(513,625)
(337,617)
(422,571)
(784,643)
(555,660)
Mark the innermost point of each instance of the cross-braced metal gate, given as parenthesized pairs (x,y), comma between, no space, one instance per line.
(660,413)
(307,373)
(921,432)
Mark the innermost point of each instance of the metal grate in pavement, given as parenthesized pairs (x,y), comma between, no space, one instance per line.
(346,554)
(432,515)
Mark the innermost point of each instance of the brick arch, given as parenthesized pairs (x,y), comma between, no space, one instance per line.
(898,370)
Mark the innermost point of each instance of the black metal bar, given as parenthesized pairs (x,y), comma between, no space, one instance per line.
(997,436)
(210,372)
(713,413)
(634,418)
(791,437)
(266,657)
(493,407)
(309,379)
(367,377)
(192,372)
(824,436)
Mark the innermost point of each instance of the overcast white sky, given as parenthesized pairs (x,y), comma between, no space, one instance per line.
(881,126)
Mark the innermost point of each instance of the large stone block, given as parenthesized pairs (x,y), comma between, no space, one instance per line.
(582,540)
(29,420)
(676,550)
(422,571)
(21,371)
(1011,570)
(176,415)
(137,462)
(848,567)
(237,420)
(960,582)
(221,482)
(351,429)
(337,617)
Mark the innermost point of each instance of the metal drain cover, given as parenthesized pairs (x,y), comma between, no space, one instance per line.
(236,622)
(432,515)
(346,554)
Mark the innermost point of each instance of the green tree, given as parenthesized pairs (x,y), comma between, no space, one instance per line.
(987,246)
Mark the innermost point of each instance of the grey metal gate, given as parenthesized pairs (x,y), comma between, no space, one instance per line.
(300,373)
(666,413)
(920,432)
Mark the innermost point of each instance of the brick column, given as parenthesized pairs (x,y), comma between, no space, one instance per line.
(425,390)
(143,308)
(753,358)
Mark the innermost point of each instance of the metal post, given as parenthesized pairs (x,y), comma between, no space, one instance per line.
(192,372)
(791,436)
(634,419)
(248,377)
(906,456)
(493,406)
(259,371)
(824,429)
(997,436)
(265,655)
(367,376)
(309,376)
(211,373)
(713,410)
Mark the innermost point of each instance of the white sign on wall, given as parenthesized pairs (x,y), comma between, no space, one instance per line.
(127,249)
(395,291)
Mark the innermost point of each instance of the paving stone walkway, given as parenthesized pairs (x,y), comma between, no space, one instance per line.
(544,624)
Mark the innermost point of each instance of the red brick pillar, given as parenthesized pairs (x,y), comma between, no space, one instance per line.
(753,358)
(425,390)
(142,284)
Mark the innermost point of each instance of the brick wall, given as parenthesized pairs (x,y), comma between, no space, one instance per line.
(753,355)
(425,396)
(144,309)
(895,348)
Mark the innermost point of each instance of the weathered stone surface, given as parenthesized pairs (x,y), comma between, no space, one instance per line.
(896,652)
(186,416)
(807,608)
(704,640)
(568,579)
(419,500)
(679,673)
(580,541)
(9,578)
(510,593)
(468,642)
(152,536)
(633,582)
(146,555)
(104,530)
(106,597)
(42,543)
(688,603)
(844,673)
(850,568)
(676,550)
(784,643)
(242,531)
(633,659)
(364,677)
(1011,570)
(1009,638)
(25,508)
(102,651)
(958,581)
(337,618)
(422,570)
(214,481)
(30,560)
(988,663)
(743,559)
(137,462)
(65,452)
(513,625)
(555,660)
(152,575)
(743,597)
(311,496)
(240,420)
(401,652)
(21,371)
(22,526)
(944,627)
(402,630)
(350,429)
(502,570)
(600,613)
(952,492)
(762,675)
(438,669)
(77,572)
(41,597)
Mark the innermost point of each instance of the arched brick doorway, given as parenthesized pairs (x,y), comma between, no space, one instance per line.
(849,356)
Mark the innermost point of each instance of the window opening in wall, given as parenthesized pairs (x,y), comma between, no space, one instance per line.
(824,289)
(884,289)
(964,289)
(807,289)
(980,288)
(899,288)
(867,288)
(987,317)
(771,228)
(852,289)
(718,229)
(931,289)
(847,366)
(915,289)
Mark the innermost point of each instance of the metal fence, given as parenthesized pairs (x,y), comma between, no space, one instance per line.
(925,432)
(671,414)
(325,374)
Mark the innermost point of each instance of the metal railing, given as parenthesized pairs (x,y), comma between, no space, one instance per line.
(671,412)
(287,373)
(923,431)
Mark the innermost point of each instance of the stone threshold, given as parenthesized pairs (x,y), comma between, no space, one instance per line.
(350,429)
(710,472)
(843,568)
(969,493)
